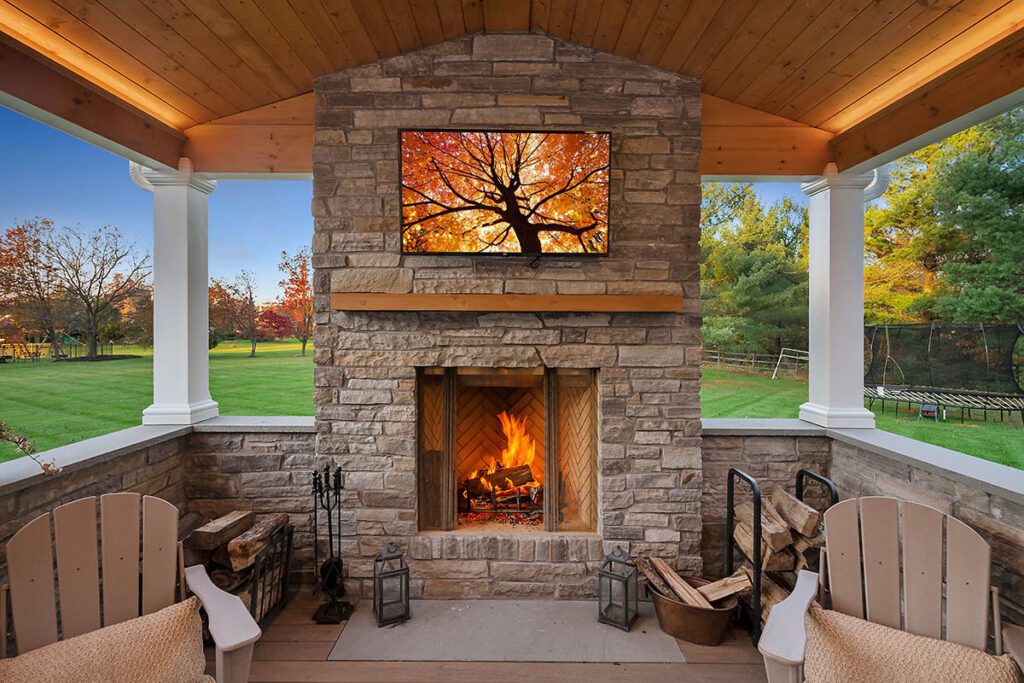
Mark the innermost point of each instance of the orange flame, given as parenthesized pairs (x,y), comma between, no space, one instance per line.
(520,449)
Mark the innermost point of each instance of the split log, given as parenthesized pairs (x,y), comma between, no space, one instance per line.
(643,563)
(723,588)
(774,530)
(804,519)
(194,557)
(242,549)
(188,523)
(681,588)
(771,560)
(221,530)
(808,550)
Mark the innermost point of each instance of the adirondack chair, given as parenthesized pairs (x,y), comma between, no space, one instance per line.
(862,560)
(83,556)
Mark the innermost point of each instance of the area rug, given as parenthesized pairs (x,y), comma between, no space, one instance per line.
(504,631)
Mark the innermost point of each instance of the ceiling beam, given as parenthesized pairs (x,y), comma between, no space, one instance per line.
(984,86)
(43,90)
(273,140)
(739,142)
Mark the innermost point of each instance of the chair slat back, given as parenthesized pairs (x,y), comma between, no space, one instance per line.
(78,567)
(842,538)
(922,569)
(119,518)
(880,548)
(30,572)
(968,563)
(159,553)
(90,565)
(866,580)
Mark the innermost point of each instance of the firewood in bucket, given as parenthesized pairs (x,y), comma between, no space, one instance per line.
(685,592)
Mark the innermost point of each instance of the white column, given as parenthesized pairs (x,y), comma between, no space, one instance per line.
(836,316)
(181,390)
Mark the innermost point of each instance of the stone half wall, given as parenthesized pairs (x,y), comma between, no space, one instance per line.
(648,365)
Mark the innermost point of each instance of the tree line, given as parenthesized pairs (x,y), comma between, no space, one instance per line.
(944,243)
(61,282)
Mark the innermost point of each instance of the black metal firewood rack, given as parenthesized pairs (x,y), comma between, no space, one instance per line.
(734,475)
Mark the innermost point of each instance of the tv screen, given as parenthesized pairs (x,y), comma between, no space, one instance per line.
(483,192)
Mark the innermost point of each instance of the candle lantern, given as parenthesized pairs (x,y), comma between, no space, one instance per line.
(617,588)
(390,586)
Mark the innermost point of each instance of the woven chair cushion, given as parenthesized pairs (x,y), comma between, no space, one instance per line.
(852,650)
(162,647)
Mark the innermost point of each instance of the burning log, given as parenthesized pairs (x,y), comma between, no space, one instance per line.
(510,477)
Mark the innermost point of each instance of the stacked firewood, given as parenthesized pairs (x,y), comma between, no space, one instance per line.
(662,579)
(228,546)
(791,539)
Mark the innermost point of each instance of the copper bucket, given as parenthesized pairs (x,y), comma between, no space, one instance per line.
(697,625)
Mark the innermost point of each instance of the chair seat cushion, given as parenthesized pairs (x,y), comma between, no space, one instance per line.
(162,647)
(852,650)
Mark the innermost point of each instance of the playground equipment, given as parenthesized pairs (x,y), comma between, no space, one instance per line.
(965,367)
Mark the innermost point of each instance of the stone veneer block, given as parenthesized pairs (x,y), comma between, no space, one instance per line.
(648,364)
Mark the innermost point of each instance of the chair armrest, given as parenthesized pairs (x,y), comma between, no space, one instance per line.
(231,625)
(1013,643)
(784,638)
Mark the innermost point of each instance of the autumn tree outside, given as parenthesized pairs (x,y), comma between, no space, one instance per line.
(479,192)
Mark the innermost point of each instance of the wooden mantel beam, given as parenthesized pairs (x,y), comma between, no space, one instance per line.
(42,89)
(983,86)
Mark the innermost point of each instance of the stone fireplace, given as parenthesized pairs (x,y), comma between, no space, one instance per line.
(410,404)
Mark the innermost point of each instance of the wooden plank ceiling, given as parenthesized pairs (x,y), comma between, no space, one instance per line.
(826,64)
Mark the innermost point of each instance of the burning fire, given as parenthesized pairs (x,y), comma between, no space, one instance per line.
(520,449)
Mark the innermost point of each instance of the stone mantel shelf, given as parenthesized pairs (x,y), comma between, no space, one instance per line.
(511,303)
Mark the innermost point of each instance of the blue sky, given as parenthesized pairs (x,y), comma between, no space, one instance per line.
(50,174)
(47,173)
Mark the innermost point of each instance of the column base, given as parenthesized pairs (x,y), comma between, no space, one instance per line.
(180,414)
(837,418)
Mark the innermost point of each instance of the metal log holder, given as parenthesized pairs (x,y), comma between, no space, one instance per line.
(735,475)
(272,567)
(327,490)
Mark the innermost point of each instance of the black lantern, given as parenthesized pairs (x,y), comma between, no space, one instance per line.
(390,586)
(617,590)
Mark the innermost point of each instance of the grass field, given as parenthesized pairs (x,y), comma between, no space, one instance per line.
(59,403)
(727,394)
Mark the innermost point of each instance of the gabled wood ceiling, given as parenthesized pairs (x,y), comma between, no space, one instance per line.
(824,63)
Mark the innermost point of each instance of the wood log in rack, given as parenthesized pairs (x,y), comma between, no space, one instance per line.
(221,530)
(242,549)
(803,519)
(771,560)
(774,529)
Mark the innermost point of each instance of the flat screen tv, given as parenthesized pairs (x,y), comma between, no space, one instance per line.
(499,192)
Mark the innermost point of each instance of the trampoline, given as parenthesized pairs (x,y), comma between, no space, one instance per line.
(965,367)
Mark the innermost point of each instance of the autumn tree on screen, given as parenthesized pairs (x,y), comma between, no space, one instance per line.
(504,192)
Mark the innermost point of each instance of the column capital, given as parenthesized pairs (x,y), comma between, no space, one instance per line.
(148,178)
(833,179)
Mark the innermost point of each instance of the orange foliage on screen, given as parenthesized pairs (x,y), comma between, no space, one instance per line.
(494,192)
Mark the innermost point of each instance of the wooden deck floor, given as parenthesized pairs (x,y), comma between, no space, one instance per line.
(294,648)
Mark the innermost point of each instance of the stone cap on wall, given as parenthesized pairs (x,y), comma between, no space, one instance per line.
(992,477)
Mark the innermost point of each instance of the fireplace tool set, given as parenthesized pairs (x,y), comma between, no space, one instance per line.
(327,490)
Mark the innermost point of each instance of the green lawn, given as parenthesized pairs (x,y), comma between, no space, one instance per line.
(59,403)
(726,394)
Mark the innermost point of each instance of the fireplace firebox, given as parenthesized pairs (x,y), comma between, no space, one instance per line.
(507,449)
